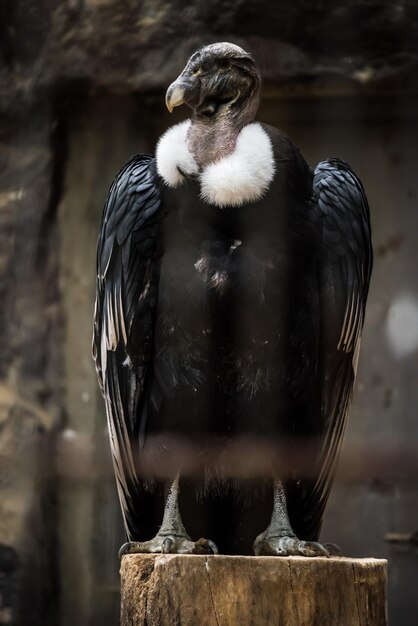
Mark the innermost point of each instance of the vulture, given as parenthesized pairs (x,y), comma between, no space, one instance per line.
(232,281)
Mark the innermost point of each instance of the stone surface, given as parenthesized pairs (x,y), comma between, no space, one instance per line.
(127,45)
(168,590)
(30,371)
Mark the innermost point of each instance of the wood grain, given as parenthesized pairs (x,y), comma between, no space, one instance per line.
(178,590)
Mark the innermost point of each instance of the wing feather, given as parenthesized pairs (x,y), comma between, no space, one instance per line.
(125,300)
(344,261)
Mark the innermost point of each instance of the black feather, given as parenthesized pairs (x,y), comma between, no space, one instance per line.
(344,264)
(243,322)
(125,299)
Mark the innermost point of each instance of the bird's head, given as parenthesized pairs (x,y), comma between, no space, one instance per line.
(219,80)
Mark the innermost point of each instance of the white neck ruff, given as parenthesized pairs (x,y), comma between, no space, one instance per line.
(242,176)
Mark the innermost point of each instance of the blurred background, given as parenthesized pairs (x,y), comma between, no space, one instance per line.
(82,86)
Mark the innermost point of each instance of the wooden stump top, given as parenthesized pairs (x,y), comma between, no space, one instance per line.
(180,590)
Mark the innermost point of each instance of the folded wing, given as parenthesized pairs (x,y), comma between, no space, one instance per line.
(126,287)
(344,264)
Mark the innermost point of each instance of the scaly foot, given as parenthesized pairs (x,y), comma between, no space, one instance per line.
(291,546)
(167,543)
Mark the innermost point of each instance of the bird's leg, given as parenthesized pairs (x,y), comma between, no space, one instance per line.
(279,539)
(172,537)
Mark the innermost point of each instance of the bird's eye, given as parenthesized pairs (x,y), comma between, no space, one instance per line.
(223,64)
(205,65)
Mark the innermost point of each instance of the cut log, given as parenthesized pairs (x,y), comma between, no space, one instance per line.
(178,590)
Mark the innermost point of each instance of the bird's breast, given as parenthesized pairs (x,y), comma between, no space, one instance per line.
(219,310)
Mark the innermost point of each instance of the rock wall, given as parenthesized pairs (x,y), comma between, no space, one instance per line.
(139,45)
(30,364)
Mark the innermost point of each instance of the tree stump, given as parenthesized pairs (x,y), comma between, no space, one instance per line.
(178,590)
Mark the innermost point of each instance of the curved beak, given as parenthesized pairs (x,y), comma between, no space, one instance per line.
(174,96)
(182,91)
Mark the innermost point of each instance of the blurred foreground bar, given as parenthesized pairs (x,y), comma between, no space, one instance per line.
(381,462)
(262,591)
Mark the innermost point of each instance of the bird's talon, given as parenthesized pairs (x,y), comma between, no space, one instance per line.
(205,546)
(288,546)
(124,549)
(167,546)
(212,545)
(312,548)
(333,549)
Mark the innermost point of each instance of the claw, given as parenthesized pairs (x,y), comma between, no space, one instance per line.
(288,546)
(333,549)
(312,548)
(212,545)
(126,548)
(263,548)
(205,546)
(167,546)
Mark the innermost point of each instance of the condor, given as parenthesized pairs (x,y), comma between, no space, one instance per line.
(231,289)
